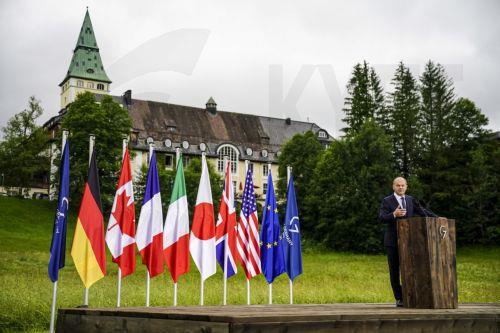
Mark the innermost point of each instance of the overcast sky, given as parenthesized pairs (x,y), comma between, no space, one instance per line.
(277,58)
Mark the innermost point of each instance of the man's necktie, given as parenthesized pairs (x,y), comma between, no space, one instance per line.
(403,202)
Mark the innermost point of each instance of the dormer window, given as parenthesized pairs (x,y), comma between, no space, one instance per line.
(170,125)
(322,135)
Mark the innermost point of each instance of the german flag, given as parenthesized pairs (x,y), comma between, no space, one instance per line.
(88,250)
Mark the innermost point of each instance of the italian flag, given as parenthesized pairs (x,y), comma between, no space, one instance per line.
(176,230)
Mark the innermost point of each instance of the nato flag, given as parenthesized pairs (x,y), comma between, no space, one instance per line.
(58,246)
(271,252)
(291,235)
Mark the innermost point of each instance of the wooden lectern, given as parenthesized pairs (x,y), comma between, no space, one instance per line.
(427,262)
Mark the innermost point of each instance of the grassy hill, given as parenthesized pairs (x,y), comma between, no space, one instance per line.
(329,277)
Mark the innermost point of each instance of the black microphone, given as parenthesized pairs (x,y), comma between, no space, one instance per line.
(426,212)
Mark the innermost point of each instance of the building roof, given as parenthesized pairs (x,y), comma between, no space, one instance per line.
(86,62)
(161,121)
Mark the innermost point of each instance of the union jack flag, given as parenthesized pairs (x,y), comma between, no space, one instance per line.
(248,231)
(225,229)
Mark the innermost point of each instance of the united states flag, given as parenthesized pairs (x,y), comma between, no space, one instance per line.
(248,231)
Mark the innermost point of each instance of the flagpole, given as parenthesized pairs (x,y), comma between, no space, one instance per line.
(54,291)
(148,278)
(119,294)
(177,155)
(247,163)
(91,150)
(270,284)
(203,154)
(175,294)
(147,287)
(288,174)
(224,275)
(53,308)
(177,158)
(271,293)
(201,291)
(248,291)
(118,297)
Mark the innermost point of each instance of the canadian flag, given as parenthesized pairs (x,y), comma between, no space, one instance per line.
(202,240)
(120,235)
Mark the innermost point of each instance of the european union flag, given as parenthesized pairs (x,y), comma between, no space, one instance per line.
(58,245)
(271,252)
(291,235)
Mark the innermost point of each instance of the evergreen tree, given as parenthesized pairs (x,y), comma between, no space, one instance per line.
(466,123)
(478,215)
(365,100)
(404,116)
(380,112)
(437,102)
(109,123)
(350,180)
(301,153)
(24,158)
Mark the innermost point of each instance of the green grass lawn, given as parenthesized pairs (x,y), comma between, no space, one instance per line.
(329,277)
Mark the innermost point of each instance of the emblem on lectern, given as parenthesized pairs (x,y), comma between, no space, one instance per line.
(443,231)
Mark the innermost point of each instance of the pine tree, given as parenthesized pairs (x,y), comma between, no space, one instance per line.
(365,100)
(404,116)
(380,112)
(437,101)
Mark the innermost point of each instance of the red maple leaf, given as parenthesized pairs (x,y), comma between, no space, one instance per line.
(124,214)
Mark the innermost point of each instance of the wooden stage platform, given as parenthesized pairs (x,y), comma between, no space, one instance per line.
(318,318)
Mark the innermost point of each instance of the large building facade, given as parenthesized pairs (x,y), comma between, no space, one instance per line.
(244,139)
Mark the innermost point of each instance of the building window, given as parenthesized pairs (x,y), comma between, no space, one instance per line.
(231,153)
(79,83)
(264,188)
(322,134)
(234,186)
(90,85)
(250,167)
(265,169)
(169,161)
(100,86)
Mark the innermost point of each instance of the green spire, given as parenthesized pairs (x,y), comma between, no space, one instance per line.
(86,62)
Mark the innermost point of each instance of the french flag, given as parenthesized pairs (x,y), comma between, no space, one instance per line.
(225,228)
(149,236)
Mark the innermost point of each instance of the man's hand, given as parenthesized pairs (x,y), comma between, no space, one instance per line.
(399,212)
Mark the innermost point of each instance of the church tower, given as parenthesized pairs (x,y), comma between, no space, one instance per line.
(86,72)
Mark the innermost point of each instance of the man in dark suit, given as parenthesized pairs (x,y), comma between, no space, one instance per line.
(394,207)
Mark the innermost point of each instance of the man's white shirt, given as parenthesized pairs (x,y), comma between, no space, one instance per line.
(400,199)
